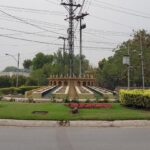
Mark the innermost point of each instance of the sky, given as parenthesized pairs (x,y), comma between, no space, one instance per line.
(39,23)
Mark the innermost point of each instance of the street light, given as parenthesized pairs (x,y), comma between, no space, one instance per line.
(17,60)
(82,26)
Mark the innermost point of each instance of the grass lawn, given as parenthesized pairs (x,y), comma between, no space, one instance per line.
(23,111)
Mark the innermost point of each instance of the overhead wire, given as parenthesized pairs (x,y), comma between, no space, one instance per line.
(116,6)
(31,33)
(52,2)
(48,43)
(26,22)
(121,11)
(31,10)
(111,21)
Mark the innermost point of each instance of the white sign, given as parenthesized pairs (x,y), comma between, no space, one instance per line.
(126,60)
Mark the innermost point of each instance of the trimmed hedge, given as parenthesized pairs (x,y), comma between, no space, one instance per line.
(135,98)
(15,90)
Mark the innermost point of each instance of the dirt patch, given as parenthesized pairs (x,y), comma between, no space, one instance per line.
(40,112)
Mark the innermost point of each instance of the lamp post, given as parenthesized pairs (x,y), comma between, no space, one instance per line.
(17,60)
(82,26)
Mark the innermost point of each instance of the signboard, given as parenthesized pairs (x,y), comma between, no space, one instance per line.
(126,60)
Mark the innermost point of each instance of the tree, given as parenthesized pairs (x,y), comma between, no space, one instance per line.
(112,73)
(27,64)
(40,60)
(39,77)
(5,81)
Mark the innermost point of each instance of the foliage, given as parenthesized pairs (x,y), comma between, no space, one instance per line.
(27,64)
(39,77)
(7,81)
(112,73)
(14,90)
(42,66)
(56,64)
(135,98)
(40,60)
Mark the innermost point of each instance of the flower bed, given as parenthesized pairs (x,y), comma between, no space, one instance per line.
(89,106)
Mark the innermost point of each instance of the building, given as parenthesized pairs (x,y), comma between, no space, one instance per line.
(10,74)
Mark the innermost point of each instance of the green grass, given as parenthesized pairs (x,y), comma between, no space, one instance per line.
(23,111)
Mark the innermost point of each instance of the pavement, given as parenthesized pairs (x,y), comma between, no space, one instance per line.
(74,138)
(31,123)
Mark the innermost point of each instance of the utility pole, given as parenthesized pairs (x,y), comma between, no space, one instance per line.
(129,65)
(64,46)
(142,62)
(71,7)
(64,49)
(82,26)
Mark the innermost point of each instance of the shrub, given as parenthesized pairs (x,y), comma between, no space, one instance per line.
(66,100)
(15,90)
(135,98)
(75,101)
(30,100)
(87,101)
(1,98)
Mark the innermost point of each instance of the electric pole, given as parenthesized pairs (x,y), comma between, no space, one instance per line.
(64,46)
(129,66)
(64,49)
(82,26)
(142,62)
(71,7)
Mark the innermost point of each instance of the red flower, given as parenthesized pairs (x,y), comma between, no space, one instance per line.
(90,105)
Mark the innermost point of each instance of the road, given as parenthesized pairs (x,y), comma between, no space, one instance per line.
(13,138)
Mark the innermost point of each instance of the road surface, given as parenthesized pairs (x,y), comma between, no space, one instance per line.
(13,138)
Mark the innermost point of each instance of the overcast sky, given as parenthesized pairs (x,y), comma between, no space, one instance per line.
(109,23)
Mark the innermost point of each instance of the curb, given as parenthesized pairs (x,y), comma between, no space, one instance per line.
(25,123)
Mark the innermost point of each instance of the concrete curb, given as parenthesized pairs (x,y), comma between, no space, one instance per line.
(26,123)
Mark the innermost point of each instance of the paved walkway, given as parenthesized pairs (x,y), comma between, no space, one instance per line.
(24,123)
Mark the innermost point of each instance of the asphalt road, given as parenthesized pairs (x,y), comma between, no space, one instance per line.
(12,138)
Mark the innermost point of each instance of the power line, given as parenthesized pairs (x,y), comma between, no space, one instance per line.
(26,22)
(38,34)
(48,43)
(52,2)
(23,39)
(46,24)
(32,10)
(111,21)
(122,11)
(109,4)
(32,33)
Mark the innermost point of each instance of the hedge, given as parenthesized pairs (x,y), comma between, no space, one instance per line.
(135,98)
(15,90)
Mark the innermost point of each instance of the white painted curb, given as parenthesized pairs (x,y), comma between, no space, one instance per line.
(26,123)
